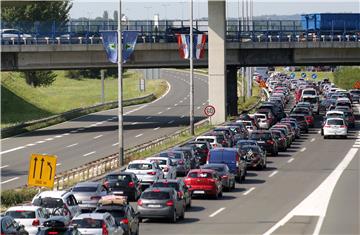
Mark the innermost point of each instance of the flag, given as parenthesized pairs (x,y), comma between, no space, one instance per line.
(198,48)
(109,39)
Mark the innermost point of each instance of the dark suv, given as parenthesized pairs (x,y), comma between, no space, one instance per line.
(124,183)
(57,225)
(266,141)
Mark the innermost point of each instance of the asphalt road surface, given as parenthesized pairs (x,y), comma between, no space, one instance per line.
(94,136)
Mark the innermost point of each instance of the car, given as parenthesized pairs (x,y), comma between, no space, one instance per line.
(282,141)
(355,95)
(10,226)
(201,149)
(204,182)
(289,128)
(314,101)
(263,120)
(178,185)
(182,164)
(123,213)
(221,137)
(232,158)
(309,92)
(334,127)
(270,116)
(307,113)
(213,140)
(349,118)
(14,36)
(29,216)
(87,194)
(227,178)
(58,225)
(254,156)
(249,125)
(167,165)
(240,143)
(228,134)
(239,129)
(266,141)
(189,154)
(97,223)
(124,183)
(58,203)
(300,118)
(146,171)
(294,125)
(161,203)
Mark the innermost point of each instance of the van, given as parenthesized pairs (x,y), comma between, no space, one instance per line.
(231,157)
(314,101)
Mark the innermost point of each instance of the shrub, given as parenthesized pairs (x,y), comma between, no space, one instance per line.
(15,196)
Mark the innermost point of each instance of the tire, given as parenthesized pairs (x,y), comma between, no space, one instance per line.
(174,217)
(140,220)
(182,216)
(233,185)
(325,137)
(189,205)
(221,193)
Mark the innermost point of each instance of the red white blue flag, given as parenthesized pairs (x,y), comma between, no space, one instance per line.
(199,46)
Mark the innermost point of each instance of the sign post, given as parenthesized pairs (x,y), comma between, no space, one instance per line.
(42,170)
(209,111)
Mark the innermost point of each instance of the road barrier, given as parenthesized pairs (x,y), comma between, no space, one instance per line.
(44,122)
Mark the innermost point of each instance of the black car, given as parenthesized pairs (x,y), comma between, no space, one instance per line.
(227,178)
(239,130)
(124,183)
(58,225)
(255,157)
(10,226)
(301,120)
(201,149)
(124,215)
(178,185)
(266,141)
(189,154)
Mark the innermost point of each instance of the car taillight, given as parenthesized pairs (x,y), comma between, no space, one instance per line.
(124,221)
(131,184)
(104,229)
(225,177)
(151,173)
(139,202)
(343,126)
(181,162)
(270,142)
(95,198)
(36,222)
(50,233)
(326,126)
(170,203)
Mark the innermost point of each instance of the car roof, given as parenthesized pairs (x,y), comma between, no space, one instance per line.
(93,215)
(27,208)
(168,180)
(140,161)
(334,119)
(156,157)
(122,173)
(206,136)
(334,112)
(54,194)
(87,184)
(202,170)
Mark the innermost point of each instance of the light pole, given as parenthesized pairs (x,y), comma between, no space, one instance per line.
(120,93)
(192,129)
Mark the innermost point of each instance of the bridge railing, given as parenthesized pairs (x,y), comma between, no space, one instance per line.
(165,31)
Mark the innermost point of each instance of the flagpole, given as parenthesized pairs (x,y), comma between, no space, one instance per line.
(192,131)
(120,93)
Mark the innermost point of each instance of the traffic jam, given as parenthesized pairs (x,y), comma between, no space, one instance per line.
(163,187)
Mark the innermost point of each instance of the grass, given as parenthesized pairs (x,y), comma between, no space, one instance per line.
(244,102)
(346,77)
(21,102)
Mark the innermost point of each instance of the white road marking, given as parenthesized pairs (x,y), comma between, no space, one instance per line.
(28,145)
(217,212)
(312,140)
(160,112)
(157,128)
(203,103)
(272,174)
(170,122)
(48,139)
(98,136)
(356,146)
(176,105)
(291,159)
(66,134)
(99,123)
(115,144)
(181,101)
(303,149)
(73,131)
(7,181)
(182,116)
(40,142)
(92,125)
(249,191)
(1,167)
(168,108)
(319,131)
(87,154)
(14,149)
(198,107)
(138,135)
(317,202)
(134,123)
(58,136)
(72,145)
(58,164)
(148,117)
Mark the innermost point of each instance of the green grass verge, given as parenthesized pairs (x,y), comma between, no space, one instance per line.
(244,102)
(345,77)
(21,102)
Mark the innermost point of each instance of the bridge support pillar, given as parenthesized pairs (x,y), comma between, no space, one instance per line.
(231,91)
(216,58)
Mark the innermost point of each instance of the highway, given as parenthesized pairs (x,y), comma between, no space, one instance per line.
(312,187)
(93,136)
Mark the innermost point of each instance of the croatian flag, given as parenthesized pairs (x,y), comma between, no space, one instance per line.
(199,46)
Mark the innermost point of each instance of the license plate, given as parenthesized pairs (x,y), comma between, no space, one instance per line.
(198,192)
(154,206)
(118,192)
(261,142)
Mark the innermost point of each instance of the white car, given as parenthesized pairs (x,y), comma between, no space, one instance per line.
(71,206)
(211,139)
(335,127)
(249,125)
(166,165)
(29,216)
(264,123)
(146,171)
(9,35)
(334,114)
(97,224)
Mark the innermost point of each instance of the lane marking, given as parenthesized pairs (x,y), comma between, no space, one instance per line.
(157,128)
(58,164)
(217,212)
(66,134)
(170,122)
(92,125)
(87,154)
(182,116)
(317,202)
(1,167)
(148,117)
(139,135)
(181,101)
(198,107)
(73,131)
(203,103)
(99,123)
(176,105)
(72,145)
(48,139)
(28,145)
(168,108)
(160,112)
(14,149)
(115,144)
(356,145)
(249,191)
(7,181)
(312,140)
(303,149)
(58,136)
(40,142)
(272,174)
(134,123)
(319,131)
(98,136)
(291,159)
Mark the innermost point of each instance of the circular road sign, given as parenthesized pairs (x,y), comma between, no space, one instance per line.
(209,110)
(303,75)
(292,75)
(314,76)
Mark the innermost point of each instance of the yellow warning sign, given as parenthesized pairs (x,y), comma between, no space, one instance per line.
(42,170)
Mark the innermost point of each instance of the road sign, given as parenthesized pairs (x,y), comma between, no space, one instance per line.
(303,75)
(42,170)
(314,76)
(357,85)
(262,84)
(292,75)
(209,110)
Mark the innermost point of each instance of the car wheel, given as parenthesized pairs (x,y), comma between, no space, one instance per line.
(221,193)
(182,216)
(233,185)
(140,220)
(325,137)
(174,217)
(189,205)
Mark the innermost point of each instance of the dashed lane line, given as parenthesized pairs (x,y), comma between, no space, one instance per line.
(157,128)
(98,136)
(2,167)
(87,154)
(40,142)
(115,144)
(7,181)
(72,145)
(272,174)
(48,139)
(312,140)
(249,191)
(137,136)
(160,112)
(14,149)
(303,149)
(290,160)
(217,212)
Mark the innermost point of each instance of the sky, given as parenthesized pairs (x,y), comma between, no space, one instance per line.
(179,9)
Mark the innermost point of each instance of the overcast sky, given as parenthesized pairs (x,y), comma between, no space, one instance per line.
(177,9)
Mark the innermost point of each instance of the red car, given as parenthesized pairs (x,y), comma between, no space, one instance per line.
(204,182)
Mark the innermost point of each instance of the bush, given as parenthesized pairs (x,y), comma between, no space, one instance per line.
(73,74)
(13,197)
(345,77)
(39,78)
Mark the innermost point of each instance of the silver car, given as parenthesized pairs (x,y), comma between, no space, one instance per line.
(146,171)
(97,224)
(166,165)
(88,194)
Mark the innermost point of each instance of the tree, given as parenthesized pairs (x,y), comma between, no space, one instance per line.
(116,15)
(39,78)
(105,15)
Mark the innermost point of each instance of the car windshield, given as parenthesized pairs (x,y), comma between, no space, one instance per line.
(140,166)
(159,161)
(21,214)
(119,177)
(158,195)
(210,140)
(200,175)
(337,122)
(334,115)
(166,185)
(260,136)
(87,223)
(171,154)
(84,189)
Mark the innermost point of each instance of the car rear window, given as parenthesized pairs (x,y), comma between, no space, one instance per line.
(248,148)
(215,168)
(119,177)
(87,223)
(155,195)
(84,189)
(298,118)
(116,213)
(140,166)
(210,140)
(311,100)
(355,92)
(337,122)
(333,115)
(166,185)
(200,175)
(21,214)
(171,154)
(309,92)
(260,136)
(159,161)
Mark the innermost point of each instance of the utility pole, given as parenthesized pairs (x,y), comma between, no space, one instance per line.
(120,91)
(102,73)
(192,129)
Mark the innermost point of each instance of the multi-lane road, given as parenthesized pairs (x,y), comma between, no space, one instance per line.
(94,136)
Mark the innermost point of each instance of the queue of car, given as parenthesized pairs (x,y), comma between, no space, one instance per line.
(214,163)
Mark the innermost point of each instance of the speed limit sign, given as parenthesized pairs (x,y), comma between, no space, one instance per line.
(209,110)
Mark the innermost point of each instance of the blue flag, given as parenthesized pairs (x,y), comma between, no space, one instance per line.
(109,39)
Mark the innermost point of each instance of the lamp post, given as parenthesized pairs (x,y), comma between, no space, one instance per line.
(192,129)
(120,93)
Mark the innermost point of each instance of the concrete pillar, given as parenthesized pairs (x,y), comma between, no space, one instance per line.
(248,82)
(216,57)
(231,91)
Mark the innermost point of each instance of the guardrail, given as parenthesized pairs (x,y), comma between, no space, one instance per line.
(44,122)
